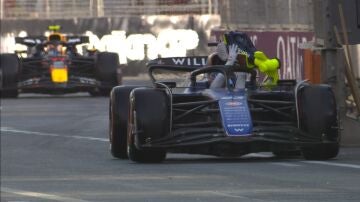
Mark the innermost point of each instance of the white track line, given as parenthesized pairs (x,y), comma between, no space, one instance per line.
(11,130)
(286,164)
(346,165)
(258,155)
(40,195)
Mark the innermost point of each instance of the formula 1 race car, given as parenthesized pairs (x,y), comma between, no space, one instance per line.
(188,116)
(53,66)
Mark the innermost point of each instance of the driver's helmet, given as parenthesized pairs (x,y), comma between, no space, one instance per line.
(242,40)
(246,50)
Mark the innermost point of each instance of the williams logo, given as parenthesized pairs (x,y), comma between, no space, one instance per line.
(238,129)
(190,61)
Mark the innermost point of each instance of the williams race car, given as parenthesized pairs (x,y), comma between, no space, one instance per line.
(183,113)
(53,66)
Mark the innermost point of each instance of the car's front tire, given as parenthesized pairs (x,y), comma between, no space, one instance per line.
(318,117)
(149,119)
(118,119)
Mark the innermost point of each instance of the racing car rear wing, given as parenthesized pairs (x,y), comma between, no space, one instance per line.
(186,62)
(36,40)
(30,41)
(75,40)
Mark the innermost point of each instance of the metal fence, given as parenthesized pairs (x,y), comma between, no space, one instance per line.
(64,9)
(244,14)
(267,14)
(49,9)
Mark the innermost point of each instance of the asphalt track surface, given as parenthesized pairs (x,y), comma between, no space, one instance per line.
(55,148)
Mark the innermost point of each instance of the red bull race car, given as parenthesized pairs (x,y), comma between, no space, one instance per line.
(52,65)
(183,113)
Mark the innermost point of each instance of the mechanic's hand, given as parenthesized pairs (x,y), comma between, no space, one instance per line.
(232,54)
(264,63)
(221,51)
(271,80)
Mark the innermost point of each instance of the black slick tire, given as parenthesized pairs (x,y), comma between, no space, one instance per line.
(106,70)
(118,120)
(149,119)
(318,117)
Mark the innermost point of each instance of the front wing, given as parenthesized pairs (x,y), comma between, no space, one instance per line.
(272,127)
(214,141)
(46,85)
(35,77)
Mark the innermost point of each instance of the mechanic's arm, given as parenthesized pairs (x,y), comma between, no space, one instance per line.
(267,66)
(219,80)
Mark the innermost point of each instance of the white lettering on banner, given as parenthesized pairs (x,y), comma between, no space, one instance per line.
(8,45)
(288,52)
(254,39)
(5,42)
(168,43)
(280,51)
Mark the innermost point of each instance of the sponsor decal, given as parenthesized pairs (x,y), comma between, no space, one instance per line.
(235,116)
(29,40)
(233,103)
(74,40)
(190,61)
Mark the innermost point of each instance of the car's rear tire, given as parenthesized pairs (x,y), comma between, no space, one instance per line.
(318,117)
(149,119)
(106,70)
(9,67)
(118,120)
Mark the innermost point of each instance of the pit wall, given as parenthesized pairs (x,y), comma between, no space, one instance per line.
(138,39)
